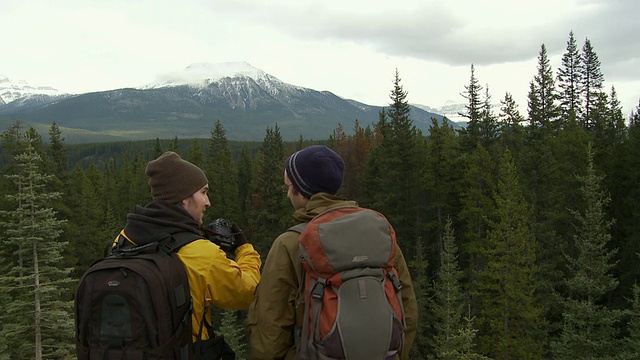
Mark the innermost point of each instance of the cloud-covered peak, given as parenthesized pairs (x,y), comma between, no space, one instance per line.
(202,74)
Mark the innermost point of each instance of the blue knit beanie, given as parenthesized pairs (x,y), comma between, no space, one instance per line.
(315,169)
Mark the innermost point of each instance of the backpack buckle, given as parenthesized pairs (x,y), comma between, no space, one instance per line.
(394,280)
(318,288)
(167,248)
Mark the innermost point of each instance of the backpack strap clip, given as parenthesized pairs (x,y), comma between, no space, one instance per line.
(394,280)
(169,246)
(318,289)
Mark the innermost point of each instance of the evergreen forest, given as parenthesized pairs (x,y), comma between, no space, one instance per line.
(521,231)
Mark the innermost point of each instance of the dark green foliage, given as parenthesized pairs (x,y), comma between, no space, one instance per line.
(269,212)
(441,181)
(511,126)
(543,110)
(509,319)
(234,332)
(632,343)
(592,82)
(476,197)
(589,329)
(195,154)
(570,81)
(244,179)
(223,180)
(421,285)
(625,192)
(473,113)
(488,127)
(453,333)
(396,191)
(36,315)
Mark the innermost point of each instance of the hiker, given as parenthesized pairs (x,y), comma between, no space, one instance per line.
(179,191)
(312,178)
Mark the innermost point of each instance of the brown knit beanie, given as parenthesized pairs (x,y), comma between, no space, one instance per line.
(173,179)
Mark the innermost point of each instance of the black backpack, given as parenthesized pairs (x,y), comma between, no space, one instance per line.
(135,304)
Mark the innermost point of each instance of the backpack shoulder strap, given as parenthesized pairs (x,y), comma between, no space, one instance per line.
(161,242)
(177,240)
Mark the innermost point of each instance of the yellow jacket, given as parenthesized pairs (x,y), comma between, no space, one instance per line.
(216,280)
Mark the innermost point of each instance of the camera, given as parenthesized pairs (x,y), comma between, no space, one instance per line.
(219,232)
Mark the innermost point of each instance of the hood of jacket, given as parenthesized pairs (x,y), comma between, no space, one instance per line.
(158,217)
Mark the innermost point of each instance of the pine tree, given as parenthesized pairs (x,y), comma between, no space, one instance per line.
(454,337)
(244,179)
(91,211)
(471,133)
(354,150)
(57,162)
(589,329)
(592,82)
(196,155)
(488,127)
(234,333)
(401,180)
(157,149)
(610,154)
(391,181)
(510,126)
(632,342)
(509,117)
(625,194)
(37,279)
(57,151)
(223,179)
(140,192)
(634,117)
(422,345)
(543,111)
(570,82)
(270,210)
(510,318)
(441,179)
(476,208)
(174,145)
(373,174)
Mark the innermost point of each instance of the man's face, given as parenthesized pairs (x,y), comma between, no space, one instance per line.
(197,203)
(297,200)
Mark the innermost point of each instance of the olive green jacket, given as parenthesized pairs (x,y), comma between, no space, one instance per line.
(274,314)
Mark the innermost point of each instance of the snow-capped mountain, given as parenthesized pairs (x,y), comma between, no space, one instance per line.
(451,110)
(14,90)
(204,74)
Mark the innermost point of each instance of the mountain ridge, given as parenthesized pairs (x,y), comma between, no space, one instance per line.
(186,104)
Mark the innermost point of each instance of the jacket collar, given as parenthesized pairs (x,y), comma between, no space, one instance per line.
(318,204)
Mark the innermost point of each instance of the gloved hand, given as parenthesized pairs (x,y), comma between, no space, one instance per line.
(239,237)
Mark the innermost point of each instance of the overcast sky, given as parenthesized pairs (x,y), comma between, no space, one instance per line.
(351,48)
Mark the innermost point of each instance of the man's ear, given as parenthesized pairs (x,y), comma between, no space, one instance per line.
(183,202)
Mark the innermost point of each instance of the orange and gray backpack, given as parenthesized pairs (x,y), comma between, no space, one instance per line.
(350,291)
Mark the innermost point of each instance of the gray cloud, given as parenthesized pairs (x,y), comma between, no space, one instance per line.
(434,32)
